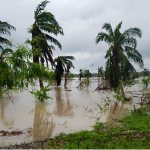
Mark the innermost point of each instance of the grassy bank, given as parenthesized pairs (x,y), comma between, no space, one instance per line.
(131,132)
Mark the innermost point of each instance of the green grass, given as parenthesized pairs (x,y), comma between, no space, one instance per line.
(131,132)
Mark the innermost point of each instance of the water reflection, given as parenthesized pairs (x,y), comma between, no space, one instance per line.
(63,107)
(117,112)
(43,122)
(67,112)
(5,120)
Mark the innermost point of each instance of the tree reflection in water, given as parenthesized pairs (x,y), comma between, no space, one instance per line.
(5,121)
(43,127)
(63,108)
(119,113)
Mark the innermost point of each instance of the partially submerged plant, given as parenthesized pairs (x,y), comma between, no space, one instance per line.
(41,94)
(146,81)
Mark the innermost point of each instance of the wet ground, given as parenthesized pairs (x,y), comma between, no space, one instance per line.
(27,119)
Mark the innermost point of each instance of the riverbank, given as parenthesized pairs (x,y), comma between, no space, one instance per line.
(133,131)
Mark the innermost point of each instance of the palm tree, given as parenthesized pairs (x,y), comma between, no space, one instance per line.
(5,28)
(100,72)
(44,24)
(80,74)
(122,49)
(63,63)
(145,72)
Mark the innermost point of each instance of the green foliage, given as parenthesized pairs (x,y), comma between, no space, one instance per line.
(122,49)
(44,25)
(70,76)
(119,96)
(145,72)
(5,28)
(145,81)
(128,83)
(17,71)
(64,63)
(85,73)
(100,72)
(41,94)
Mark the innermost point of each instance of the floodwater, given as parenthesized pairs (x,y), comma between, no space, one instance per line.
(66,111)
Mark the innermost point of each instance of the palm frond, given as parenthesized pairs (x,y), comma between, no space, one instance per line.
(5,28)
(5,41)
(53,40)
(117,29)
(67,57)
(104,37)
(108,53)
(130,41)
(49,28)
(6,51)
(136,32)
(108,28)
(46,17)
(134,55)
(67,60)
(40,8)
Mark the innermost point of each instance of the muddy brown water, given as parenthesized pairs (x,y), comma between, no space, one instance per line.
(67,111)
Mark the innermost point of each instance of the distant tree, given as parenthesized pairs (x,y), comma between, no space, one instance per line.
(80,74)
(145,72)
(64,63)
(122,49)
(87,73)
(100,72)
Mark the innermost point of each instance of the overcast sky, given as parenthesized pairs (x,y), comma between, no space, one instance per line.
(81,21)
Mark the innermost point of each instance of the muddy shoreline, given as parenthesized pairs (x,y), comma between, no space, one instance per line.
(31,145)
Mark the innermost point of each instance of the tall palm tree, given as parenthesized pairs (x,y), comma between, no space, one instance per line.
(64,63)
(44,24)
(122,50)
(5,28)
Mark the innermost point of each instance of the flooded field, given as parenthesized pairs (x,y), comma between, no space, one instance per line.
(67,111)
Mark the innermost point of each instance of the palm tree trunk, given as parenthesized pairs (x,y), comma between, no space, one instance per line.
(115,69)
(41,84)
(66,77)
(122,91)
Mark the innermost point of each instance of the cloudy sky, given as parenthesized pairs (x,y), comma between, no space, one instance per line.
(81,21)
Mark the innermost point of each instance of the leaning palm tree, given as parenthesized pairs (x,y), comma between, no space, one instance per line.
(44,25)
(64,63)
(122,50)
(5,28)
